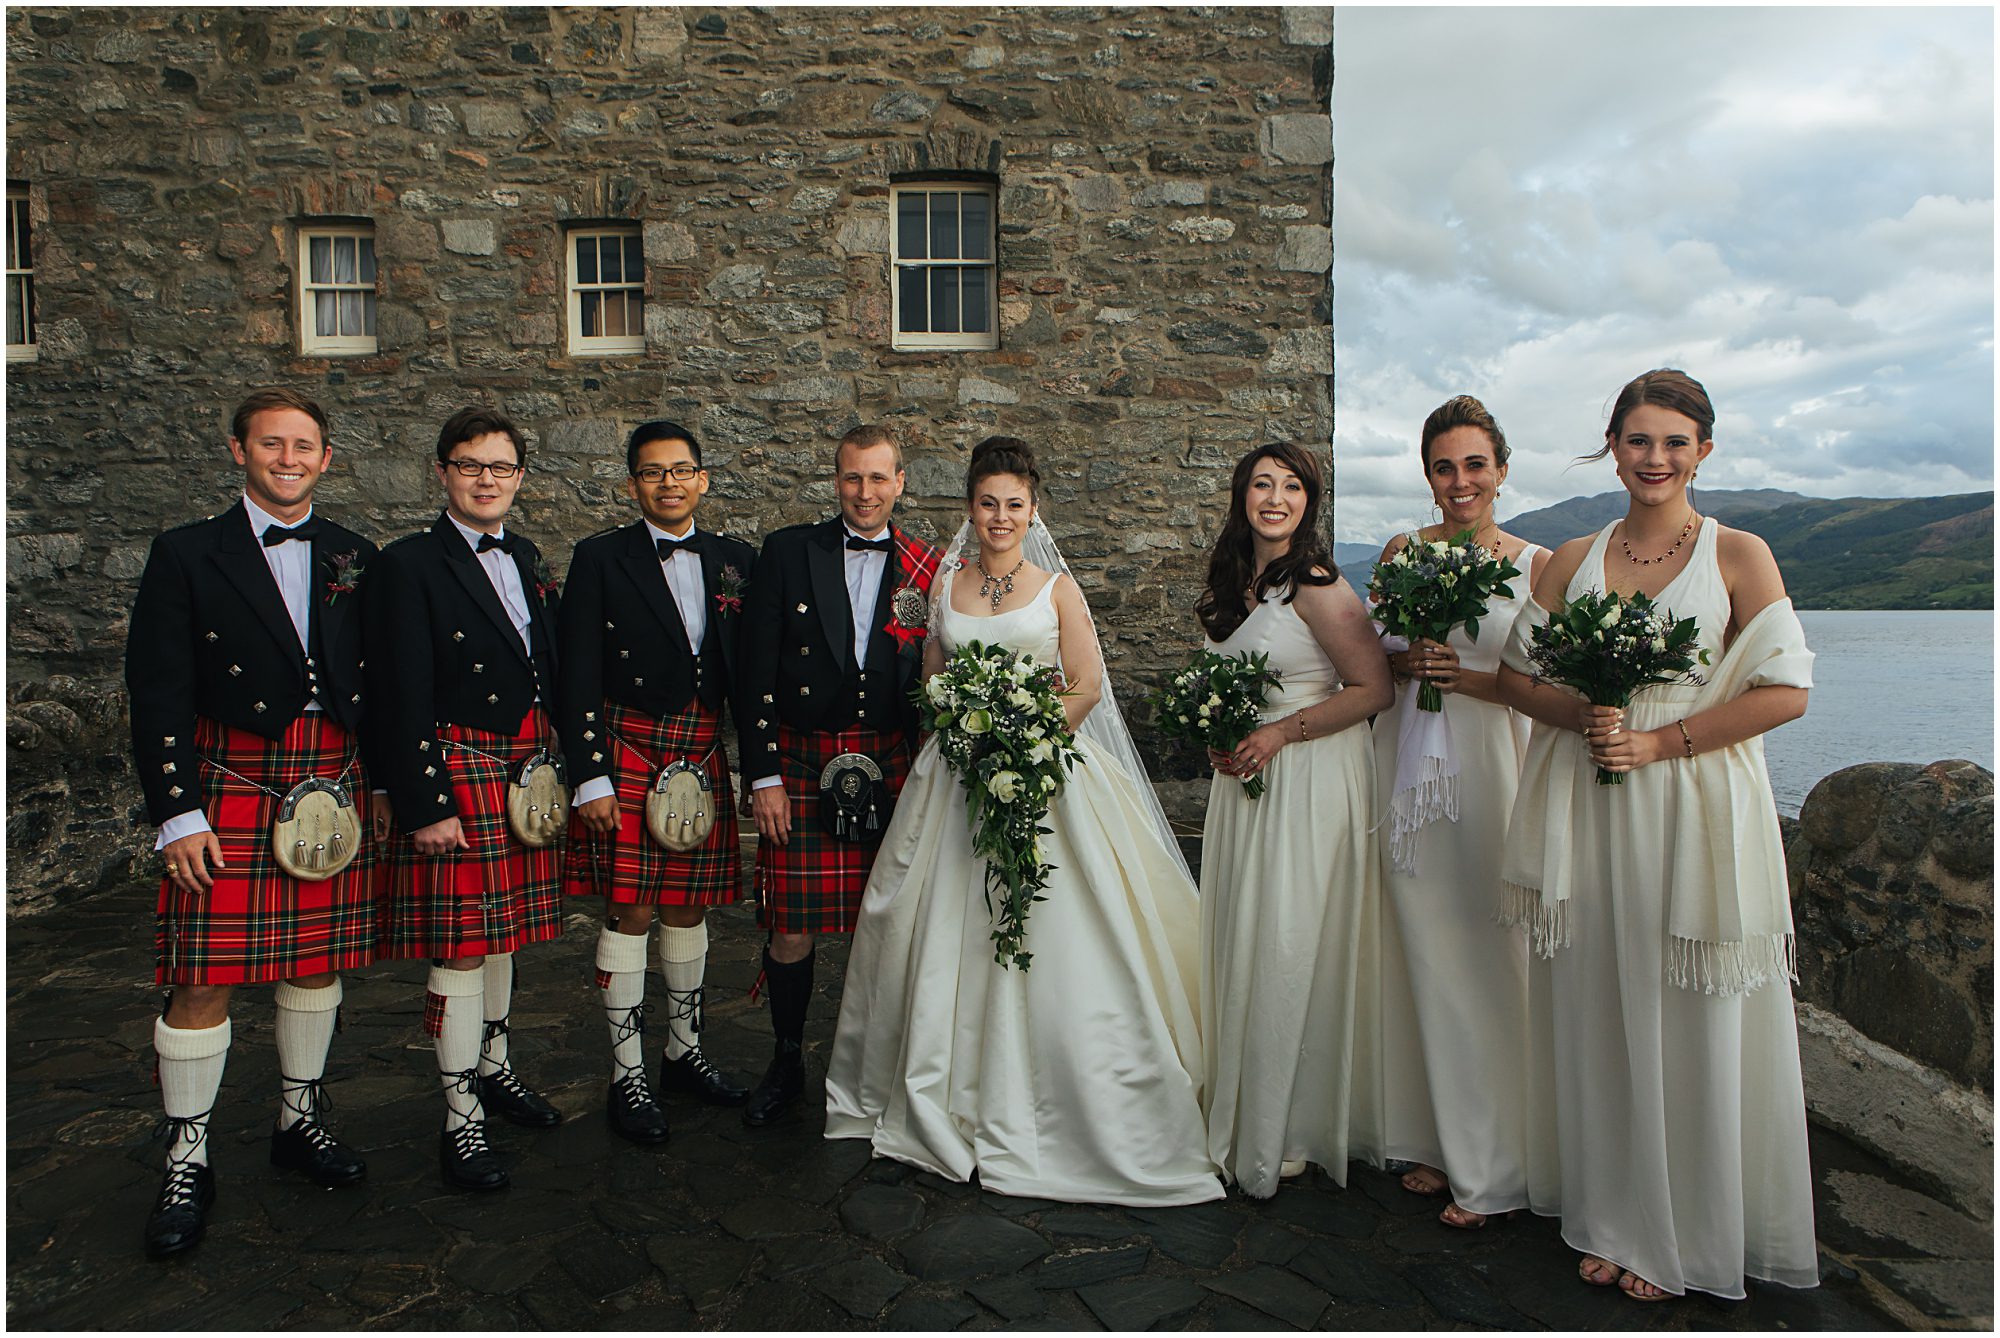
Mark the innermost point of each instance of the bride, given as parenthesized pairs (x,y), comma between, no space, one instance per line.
(1074,1079)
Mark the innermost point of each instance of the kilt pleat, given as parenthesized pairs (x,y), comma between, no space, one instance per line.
(258,923)
(499,895)
(628,866)
(813,884)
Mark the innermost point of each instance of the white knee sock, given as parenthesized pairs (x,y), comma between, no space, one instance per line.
(683,955)
(621,973)
(191,1061)
(453,1009)
(305,1031)
(498,976)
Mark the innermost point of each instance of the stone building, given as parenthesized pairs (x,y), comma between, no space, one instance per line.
(1106,230)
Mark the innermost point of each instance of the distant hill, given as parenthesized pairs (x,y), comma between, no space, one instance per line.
(1835,552)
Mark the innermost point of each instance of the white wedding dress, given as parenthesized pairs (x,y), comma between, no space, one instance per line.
(1075,1079)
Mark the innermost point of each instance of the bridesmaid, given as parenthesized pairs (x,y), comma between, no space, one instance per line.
(1290,891)
(1484,1050)
(1663,902)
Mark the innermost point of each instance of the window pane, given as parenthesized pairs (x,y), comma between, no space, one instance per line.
(614,313)
(977,277)
(28,303)
(635,262)
(323,314)
(944,225)
(944,299)
(586,260)
(343,260)
(609,270)
(912,311)
(350,313)
(17,328)
(910,226)
(589,315)
(368,260)
(978,222)
(635,312)
(368,315)
(17,234)
(319,265)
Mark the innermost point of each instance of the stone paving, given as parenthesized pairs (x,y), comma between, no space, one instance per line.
(727,1227)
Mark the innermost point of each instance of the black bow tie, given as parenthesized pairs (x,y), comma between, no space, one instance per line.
(489,542)
(694,543)
(885,544)
(305,532)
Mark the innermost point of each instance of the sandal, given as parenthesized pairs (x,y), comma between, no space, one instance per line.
(1462,1218)
(1598,1272)
(1425,1180)
(1631,1283)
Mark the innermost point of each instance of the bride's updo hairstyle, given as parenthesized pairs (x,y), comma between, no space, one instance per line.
(1002,455)
(1663,388)
(1222,606)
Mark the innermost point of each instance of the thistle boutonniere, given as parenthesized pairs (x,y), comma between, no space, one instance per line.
(729,598)
(545,579)
(347,571)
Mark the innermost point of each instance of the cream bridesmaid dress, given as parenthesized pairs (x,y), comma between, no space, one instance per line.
(1482,1006)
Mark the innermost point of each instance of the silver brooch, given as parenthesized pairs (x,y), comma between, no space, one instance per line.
(910,607)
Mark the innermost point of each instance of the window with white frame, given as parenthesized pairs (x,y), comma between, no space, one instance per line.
(20,278)
(942,254)
(607,290)
(337,288)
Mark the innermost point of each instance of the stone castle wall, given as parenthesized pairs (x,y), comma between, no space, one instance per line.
(1164,286)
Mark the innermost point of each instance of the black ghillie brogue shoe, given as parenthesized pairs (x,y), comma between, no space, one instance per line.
(180,1214)
(633,1112)
(692,1075)
(467,1161)
(514,1101)
(783,1083)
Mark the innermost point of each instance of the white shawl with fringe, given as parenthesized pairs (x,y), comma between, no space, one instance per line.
(1729,911)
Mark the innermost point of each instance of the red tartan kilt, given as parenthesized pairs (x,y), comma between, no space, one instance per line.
(630,867)
(258,923)
(499,895)
(813,884)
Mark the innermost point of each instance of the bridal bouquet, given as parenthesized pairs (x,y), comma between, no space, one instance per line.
(1215,703)
(999,723)
(1434,585)
(1611,647)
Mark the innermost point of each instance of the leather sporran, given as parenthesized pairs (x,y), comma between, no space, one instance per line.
(854,800)
(680,807)
(538,801)
(317,832)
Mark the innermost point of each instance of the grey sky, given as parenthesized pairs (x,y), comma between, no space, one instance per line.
(1794,205)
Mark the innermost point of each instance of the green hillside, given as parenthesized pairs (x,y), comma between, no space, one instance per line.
(1835,552)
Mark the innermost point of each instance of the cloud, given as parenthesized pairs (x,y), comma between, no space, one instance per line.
(1795,205)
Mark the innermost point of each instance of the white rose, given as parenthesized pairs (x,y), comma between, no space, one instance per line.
(1612,613)
(1004,786)
(1202,714)
(1214,699)
(1660,644)
(1035,732)
(1042,751)
(1022,698)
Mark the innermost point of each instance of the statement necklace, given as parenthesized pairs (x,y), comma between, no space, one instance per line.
(1636,560)
(996,588)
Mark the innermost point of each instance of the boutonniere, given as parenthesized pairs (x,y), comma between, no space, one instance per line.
(729,599)
(545,580)
(346,574)
(910,613)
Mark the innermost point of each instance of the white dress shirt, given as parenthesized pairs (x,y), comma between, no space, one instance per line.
(291,567)
(505,575)
(684,582)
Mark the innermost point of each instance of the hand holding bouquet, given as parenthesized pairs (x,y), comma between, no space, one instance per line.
(1216,702)
(999,724)
(1434,585)
(1612,647)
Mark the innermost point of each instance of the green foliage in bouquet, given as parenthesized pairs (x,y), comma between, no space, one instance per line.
(998,719)
(1216,702)
(1610,648)
(1434,585)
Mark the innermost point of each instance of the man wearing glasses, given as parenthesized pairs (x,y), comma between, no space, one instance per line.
(649,640)
(244,665)
(460,626)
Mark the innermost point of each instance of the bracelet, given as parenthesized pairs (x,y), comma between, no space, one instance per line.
(1302,726)
(1685,737)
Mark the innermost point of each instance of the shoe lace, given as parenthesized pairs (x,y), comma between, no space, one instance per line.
(632,1086)
(173,1128)
(698,1062)
(306,1098)
(627,1023)
(505,1079)
(494,1027)
(468,1140)
(180,1184)
(464,1082)
(687,1007)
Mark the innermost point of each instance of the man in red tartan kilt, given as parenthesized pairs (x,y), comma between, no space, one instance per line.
(462,664)
(648,634)
(832,645)
(244,669)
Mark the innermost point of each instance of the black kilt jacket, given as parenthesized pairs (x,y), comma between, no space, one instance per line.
(622,640)
(442,651)
(210,637)
(798,643)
